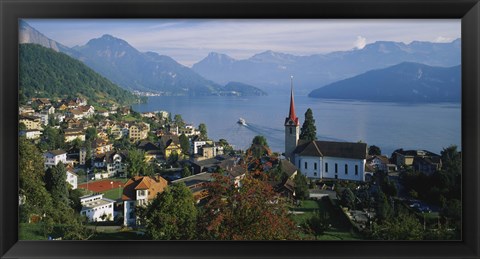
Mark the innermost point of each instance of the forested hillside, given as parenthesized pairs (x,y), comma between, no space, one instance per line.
(46,73)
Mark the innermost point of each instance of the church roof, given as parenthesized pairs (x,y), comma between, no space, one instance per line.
(332,149)
(291,115)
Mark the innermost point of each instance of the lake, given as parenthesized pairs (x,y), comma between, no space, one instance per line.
(387,125)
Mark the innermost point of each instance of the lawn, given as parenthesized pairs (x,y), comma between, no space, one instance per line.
(113,194)
(341,228)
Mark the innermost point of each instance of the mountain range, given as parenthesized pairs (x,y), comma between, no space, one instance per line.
(271,70)
(219,74)
(405,82)
(131,69)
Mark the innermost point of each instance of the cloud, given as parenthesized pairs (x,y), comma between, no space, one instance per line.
(441,39)
(360,42)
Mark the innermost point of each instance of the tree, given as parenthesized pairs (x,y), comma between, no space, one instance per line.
(348,198)
(178,120)
(186,172)
(374,150)
(172,215)
(56,183)
(36,199)
(308,132)
(383,208)
(136,164)
(91,133)
(301,186)
(401,227)
(184,143)
(203,131)
(259,147)
(249,212)
(317,224)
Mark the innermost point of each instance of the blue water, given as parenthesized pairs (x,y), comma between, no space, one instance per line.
(386,125)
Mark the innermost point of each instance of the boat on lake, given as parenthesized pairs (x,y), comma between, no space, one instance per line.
(242,121)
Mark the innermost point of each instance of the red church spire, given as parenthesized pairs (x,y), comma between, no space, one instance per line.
(291,115)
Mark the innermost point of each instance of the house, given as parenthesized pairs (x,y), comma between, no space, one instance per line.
(101,146)
(189,130)
(74,133)
(379,163)
(323,159)
(97,208)
(151,151)
(427,164)
(72,178)
(31,122)
(139,191)
(43,117)
(31,134)
(119,130)
(197,184)
(170,144)
(405,157)
(138,131)
(53,157)
(116,163)
(41,102)
(88,110)
(26,110)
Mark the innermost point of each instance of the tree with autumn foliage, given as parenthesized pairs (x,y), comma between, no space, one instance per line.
(250,212)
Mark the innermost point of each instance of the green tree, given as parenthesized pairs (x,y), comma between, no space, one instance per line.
(301,186)
(348,198)
(172,215)
(136,164)
(203,131)
(186,171)
(36,199)
(401,227)
(308,132)
(374,150)
(317,224)
(383,208)
(56,183)
(184,143)
(91,133)
(258,148)
(178,120)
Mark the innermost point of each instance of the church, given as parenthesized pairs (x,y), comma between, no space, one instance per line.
(323,159)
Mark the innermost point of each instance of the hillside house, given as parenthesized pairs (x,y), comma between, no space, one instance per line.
(139,191)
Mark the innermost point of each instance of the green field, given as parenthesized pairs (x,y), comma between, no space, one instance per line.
(341,228)
(113,194)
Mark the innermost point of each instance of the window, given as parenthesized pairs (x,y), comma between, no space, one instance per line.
(290,131)
(346,169)
(306,165)
(326,167)
(315,166)
(315,174)
(336,168)
(356,169)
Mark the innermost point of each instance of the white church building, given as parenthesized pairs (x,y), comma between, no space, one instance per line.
(323,159)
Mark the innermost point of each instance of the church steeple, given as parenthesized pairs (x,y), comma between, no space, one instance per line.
(292,117)
(292,128)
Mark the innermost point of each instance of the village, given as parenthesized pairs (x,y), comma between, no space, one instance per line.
(117,161)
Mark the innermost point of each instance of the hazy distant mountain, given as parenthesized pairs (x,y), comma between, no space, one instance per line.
(236,88)
(123,64)
(405,82)
(272,70)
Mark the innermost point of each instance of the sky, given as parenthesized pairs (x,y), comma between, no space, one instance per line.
(190,40)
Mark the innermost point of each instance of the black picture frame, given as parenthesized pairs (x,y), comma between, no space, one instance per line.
(12,10)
